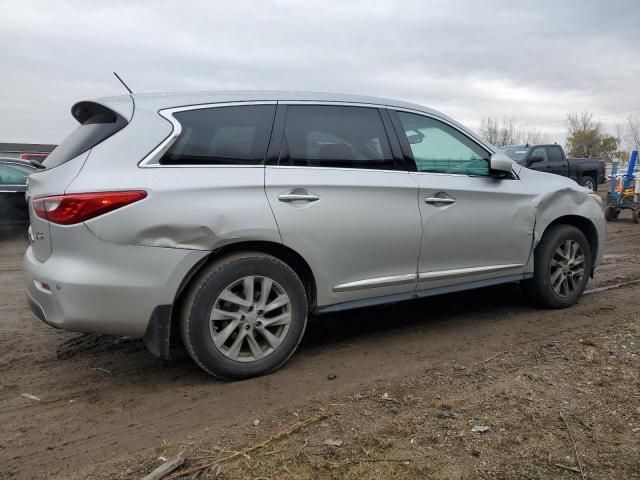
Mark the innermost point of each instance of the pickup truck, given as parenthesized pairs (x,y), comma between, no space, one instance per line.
(588,172)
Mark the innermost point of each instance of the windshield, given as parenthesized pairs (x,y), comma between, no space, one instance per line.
(514,153)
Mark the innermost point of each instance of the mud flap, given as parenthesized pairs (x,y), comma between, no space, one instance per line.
(157,338)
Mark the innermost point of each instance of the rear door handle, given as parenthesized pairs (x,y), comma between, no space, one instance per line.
(298,195)
(437,200)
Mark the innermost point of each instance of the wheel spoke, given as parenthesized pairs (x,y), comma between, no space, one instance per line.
(280,301)
(578,272)
(579,260)
(225,333)
(571,283)
(558,282)
(219,314)
(270,338)
(555,275)
(234,349)
(283,319)
(555,263)
(249,283)
(228,296)
(265,290)
(256,351)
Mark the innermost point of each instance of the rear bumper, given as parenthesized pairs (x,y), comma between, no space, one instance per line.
(88,285)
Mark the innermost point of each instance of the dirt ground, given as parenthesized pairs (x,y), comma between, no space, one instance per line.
(402,388)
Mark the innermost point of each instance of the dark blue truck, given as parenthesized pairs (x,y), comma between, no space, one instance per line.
(588,172)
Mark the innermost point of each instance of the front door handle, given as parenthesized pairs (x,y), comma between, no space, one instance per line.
(298,195)
(437,200)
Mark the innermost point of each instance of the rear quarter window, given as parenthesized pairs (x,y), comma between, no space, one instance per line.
(236,135)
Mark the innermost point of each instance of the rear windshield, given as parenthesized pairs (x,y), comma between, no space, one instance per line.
(97,123)
(515,153)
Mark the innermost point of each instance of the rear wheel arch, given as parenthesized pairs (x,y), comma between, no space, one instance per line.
(583,224)
(287,255)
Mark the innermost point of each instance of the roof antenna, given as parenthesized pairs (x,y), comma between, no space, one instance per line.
(122,82)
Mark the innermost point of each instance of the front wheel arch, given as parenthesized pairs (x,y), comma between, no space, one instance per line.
(583,224)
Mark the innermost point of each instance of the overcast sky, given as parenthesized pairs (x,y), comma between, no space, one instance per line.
(531,61)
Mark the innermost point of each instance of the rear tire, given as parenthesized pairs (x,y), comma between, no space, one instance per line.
(244,316)
(589,183)
(562,264)
(634,216)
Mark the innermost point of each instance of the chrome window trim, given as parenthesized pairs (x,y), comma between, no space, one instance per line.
(376,170)
(460,272)
(376,282)
(152,160)
(330,103)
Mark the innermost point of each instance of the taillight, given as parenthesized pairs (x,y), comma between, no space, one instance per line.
(79,207)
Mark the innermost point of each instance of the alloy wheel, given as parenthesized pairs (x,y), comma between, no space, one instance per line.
(567,268)
(250,318)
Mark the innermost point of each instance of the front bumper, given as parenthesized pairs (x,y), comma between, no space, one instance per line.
(89,285)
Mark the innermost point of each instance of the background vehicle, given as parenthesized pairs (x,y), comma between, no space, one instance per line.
(225,218)
(37,157)
(588,172)
(13,185)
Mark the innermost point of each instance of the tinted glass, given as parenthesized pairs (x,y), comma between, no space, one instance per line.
(95,129)
(555,154)
(439,148)
(328,136)
(540,152)
(222,136)
(13,175)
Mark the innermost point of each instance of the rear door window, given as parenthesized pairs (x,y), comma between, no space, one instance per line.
(335,137)
(97,123)
(236,135)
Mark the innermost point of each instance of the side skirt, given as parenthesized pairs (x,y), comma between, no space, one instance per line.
(401,297)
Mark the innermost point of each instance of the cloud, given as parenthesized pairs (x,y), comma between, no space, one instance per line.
(533,62)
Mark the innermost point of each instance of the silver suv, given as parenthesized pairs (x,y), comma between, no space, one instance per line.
(223,219)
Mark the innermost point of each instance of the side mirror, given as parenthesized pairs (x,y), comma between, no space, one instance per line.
(500,165)
(535,160)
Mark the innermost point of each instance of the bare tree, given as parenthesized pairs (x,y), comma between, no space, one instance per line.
(506,132)
(633,127)
(582,122)
(531,136)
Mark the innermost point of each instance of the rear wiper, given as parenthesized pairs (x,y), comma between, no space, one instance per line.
(37,164)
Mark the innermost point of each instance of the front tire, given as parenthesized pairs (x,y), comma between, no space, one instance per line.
(562,265)
(244,316)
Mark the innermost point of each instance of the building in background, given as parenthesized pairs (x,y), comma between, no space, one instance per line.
(26,151)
